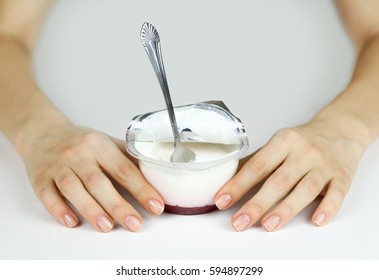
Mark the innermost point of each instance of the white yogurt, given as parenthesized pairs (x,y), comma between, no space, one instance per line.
(187,187)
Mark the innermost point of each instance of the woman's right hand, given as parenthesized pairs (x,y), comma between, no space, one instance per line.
(67,167)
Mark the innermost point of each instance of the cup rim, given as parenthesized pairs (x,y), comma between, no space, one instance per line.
(212,105)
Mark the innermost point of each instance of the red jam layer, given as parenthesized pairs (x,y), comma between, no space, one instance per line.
(189,210)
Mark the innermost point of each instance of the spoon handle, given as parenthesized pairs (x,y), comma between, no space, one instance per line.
(151,42)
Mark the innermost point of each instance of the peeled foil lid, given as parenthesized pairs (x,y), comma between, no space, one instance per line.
(210,122)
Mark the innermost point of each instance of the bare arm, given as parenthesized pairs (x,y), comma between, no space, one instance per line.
(64,162)
(21,99)
(361,97)
(322,155)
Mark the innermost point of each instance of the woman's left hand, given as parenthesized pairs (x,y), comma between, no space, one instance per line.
(299,163)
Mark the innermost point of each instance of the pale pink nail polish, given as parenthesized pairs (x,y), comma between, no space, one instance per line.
(271,223)
(104,223)
(133,223)
(320,219)
(155,206)
(223,201)
(69,220)
(242,222)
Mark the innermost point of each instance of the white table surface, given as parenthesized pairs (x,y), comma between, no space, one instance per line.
(274,64)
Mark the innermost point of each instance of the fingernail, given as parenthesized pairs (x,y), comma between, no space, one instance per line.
(69,220)
(320,219)
(133,223)
(271,223)
(104,223)
(241,222)
(223,201)
(155,206)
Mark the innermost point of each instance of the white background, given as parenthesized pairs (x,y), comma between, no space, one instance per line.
(274,63)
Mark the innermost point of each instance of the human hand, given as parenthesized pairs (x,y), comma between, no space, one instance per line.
(67,166)
(299,163)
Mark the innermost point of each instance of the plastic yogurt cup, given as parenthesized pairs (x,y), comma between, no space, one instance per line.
(216,136)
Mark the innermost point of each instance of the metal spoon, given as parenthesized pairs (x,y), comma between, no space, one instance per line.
(151,43)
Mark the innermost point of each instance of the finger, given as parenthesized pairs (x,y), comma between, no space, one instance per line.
(73,190)
(121,145)
(258,167)
(130,177)
(277,186)
(51,198)
(332,201)
(101,189)
(304,193)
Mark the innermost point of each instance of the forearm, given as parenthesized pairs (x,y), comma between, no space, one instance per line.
(356,109)
(24,111)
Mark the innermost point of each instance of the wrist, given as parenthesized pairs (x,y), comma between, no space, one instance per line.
(345,123)
(41,117)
